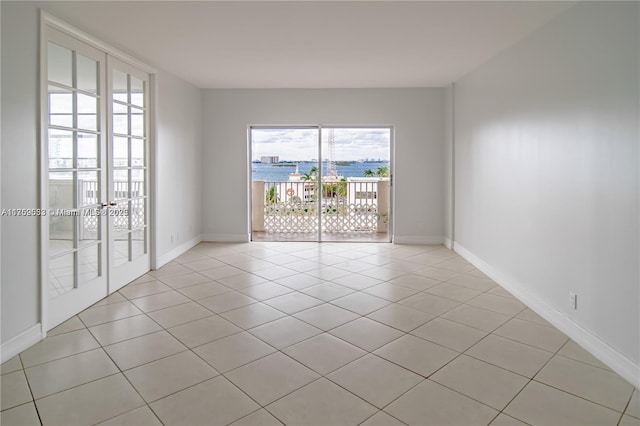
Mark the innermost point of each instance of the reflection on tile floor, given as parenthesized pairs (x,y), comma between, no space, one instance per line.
(366,237)
(303,333)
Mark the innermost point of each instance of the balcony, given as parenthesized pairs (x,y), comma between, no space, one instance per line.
(352,210)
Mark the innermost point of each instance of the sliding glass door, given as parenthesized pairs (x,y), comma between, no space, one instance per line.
(356,184)
(285,184)
(320,183)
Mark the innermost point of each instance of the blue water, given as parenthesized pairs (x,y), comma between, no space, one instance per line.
(273,173)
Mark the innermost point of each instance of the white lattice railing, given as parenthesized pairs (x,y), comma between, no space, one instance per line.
(89,196)
(88,191)
(291,207)
(281,217)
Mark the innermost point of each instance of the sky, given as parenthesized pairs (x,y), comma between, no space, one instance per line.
(302,144)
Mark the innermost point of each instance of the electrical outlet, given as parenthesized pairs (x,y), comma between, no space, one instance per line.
(573,300)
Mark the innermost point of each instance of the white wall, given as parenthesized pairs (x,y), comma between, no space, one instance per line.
(547,161)
(179,125)
(416,114)
(179,166)
(20,284)
(449,183)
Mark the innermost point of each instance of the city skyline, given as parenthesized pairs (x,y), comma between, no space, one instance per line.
(351,144)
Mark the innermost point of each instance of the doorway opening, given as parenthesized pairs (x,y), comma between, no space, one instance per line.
(317,183)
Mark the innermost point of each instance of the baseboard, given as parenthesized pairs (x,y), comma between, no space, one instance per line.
(21,342)
(225,238)
(448,243)
(415,239)
(592,343)
(177,251)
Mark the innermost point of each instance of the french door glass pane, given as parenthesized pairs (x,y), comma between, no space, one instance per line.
(61,190)
(60,149)
(137,153)
(61,275)
(59,66)
(60,234)
(88,263)
(87,71)
(120,248)
(137,91)
(137,122)
(90,223)
(121,216)
(120,119)
(87,112)
(120,151)
(87,150)
(60,107)
(138,243)
(120,89)
(138,208)
(137,182)
(121,184)
(88,189)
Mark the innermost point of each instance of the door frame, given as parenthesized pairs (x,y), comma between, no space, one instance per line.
(49,21)
(320,127)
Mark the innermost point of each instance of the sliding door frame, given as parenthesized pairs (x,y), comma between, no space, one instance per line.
(320,128)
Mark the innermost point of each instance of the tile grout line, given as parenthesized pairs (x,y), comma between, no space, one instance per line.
(322,331)
(531,379)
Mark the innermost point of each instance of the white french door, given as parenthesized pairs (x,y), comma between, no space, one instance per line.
(95,231)
(76,163)
(128,174)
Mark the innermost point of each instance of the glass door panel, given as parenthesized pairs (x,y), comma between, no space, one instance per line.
(128,214)
(356,184)
(75,164)
(285,186)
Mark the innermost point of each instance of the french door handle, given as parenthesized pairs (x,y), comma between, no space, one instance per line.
(111,204)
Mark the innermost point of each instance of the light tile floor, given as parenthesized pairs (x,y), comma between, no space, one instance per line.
(303,333)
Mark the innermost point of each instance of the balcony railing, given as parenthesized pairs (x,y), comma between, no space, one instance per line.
(341,207)
(61,197)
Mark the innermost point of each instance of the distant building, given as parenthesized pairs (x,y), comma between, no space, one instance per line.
(270,159)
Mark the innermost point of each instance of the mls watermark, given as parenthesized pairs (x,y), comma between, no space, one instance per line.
(93,211)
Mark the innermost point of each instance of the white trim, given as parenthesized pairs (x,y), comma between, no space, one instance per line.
(59,24)
(43,170)
(414,239)
(177,251)
(617,361)
(225,238)
(22,341)
(453,166)
(153,180)
(0,182)
(448,243)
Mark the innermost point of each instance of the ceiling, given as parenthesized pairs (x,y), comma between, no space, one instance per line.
(311,44)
